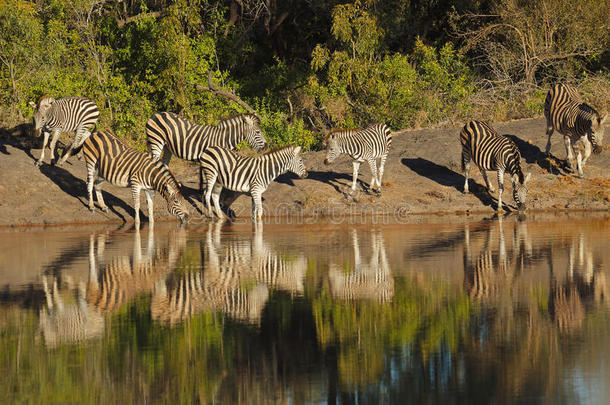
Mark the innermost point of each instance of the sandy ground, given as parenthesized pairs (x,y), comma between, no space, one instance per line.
(422,176)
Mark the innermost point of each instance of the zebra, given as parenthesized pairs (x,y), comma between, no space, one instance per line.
(67,114)
(124,277)
(109,159)
(490,151)
(372,280)
(361,145)
(576,121)
(68,322)
(225,168)
(220,287)
(168,133)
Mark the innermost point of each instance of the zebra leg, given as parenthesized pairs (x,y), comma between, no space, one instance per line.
(208,193)
(490,187)
(44,146)
(91,175)
(373,165)
(97,184)
(54,139)
(587,144)
(257,206)
(135,194)
(216,199)
(381,168)
(466,168)
(549,132)
(356,165)
(579,163)
(149,204)
(500,188)
(570,157)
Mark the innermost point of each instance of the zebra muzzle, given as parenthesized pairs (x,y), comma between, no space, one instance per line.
(597,149)
(326,162)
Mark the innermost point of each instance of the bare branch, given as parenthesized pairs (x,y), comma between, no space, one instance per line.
(226,94)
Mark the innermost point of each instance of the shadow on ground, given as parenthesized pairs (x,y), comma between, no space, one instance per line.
(77,188)
(533,154)
(447,177)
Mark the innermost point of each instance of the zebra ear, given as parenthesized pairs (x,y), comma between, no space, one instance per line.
(297,150)
(515,178)
(527,178)
(33,104)
(46,102)
(602,120)
(248,120)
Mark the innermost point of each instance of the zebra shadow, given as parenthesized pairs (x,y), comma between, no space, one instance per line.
(77,188)
(447,177)
(333,178)
(20,137)
(533,154)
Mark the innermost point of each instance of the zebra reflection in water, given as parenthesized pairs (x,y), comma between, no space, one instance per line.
(372,280)
(584,285)
(235,279)
(109,287)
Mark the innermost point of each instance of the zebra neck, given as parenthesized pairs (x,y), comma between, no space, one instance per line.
(347,145)
(278,165)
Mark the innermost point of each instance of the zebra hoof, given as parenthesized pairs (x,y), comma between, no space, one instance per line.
(104,209)
(91,208)
(465,192)
(377,193)
(37,163)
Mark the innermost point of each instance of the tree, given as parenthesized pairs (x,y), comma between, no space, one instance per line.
(519,38)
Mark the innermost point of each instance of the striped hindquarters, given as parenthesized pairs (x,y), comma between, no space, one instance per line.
(566,113)
(72,114)
(121,165)
(233,170)
(489,150)
(371,142)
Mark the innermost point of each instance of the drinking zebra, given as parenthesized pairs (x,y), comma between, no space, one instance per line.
(369,144)
(490,151)
(225,168)
(168,133)
(67,114)
(576,121)
(109,159)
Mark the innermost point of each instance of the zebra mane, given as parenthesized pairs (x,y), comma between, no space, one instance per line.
(238,117)
(275,150)
(40,100)
(337,131)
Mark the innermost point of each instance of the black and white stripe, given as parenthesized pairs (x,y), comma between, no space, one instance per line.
(168,134)
(490,151)
(576,121)
(225,168)
(362,145)
(109,159)
(67,114)
(372,280)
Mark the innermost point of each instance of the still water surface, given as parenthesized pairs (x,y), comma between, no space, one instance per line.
(489,311)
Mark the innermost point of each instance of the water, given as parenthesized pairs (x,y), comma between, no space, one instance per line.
(477,311)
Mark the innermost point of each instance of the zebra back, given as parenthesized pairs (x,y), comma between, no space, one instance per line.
(188,140)
(372,142)
(567,113)
(489,150)
(119,164)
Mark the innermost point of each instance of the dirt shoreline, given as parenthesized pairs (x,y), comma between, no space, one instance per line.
(422,178)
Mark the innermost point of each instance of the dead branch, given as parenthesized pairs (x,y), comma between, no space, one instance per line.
(226,94)
(154,14)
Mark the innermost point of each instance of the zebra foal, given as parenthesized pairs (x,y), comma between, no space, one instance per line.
(362,145)
(231,170)
(67,114)
(576,121)
(490,151)
(109,159)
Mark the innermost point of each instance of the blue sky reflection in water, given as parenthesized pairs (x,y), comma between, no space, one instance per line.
(477,311)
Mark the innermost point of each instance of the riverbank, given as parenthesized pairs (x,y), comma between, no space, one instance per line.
(422,176)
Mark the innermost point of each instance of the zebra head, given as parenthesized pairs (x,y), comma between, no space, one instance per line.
(596,135)
(332,148)
(40,111)
(296,165)
(520,189)
(177,206)
(253,134)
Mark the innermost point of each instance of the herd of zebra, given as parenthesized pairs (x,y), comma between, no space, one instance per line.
(221,166)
